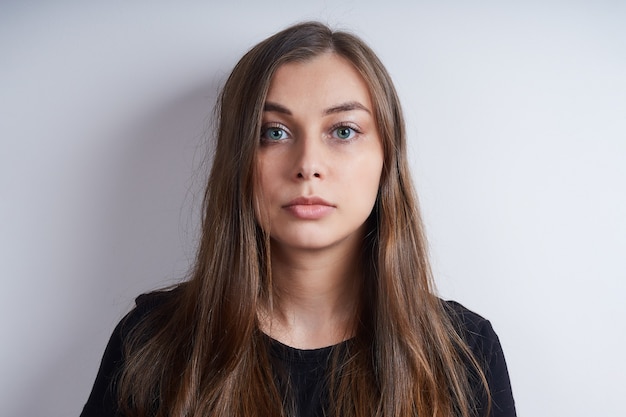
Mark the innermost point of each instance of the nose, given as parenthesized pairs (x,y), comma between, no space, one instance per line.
(309,160)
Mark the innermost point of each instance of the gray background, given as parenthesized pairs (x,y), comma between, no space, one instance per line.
(517,120)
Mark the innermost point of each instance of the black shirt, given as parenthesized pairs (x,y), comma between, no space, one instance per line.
(307,369)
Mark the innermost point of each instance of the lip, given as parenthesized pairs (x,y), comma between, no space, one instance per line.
(308,201)
(309,208)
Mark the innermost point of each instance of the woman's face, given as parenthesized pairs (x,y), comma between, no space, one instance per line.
(320,157)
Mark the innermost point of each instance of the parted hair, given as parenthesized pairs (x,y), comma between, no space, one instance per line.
(201,351)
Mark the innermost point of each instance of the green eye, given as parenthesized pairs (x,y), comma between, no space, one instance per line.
(274,134)
(344,132)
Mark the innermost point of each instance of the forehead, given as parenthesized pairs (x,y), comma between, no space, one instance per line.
(325,79)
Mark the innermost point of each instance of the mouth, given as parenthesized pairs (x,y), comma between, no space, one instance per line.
(309,208)
(308,201)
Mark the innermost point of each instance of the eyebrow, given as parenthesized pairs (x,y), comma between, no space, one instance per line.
(344,107)
(349,106)
(269,106)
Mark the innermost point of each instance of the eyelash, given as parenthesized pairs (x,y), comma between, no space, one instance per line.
(273,126)
(345,125)
(333,130)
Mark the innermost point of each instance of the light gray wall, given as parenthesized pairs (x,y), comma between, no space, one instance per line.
(517,121)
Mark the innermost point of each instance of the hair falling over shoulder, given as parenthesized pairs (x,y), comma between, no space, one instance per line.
(201,353)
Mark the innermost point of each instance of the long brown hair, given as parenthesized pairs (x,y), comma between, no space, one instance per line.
(201,353)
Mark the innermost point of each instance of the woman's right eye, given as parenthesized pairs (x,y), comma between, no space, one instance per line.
(273,134)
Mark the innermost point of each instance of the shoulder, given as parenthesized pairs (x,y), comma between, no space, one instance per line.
(103,399)
(474,328)
(477,333)
(145,305)
(482,340)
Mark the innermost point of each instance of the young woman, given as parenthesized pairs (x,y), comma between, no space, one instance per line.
(311,294)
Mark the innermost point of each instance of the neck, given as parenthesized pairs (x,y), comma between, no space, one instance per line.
(316,296)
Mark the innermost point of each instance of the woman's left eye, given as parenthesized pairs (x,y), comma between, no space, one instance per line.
(344,132)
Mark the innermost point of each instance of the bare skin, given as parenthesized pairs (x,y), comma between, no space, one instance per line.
(320,163)
(315,298)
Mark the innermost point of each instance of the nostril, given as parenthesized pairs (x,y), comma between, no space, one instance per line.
(305,174)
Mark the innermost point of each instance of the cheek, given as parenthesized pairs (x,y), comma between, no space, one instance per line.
(260,196)
(369,173)
(262,189)
(362,186)
(373,186)
(267,186)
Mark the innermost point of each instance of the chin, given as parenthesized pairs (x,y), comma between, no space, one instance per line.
(319,241)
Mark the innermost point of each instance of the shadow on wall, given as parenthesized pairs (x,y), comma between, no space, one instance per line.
(148,186)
